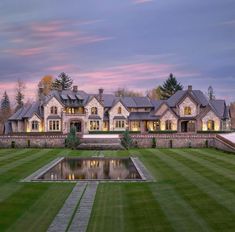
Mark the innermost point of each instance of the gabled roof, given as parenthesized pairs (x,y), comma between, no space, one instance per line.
(196,95)
(220,108)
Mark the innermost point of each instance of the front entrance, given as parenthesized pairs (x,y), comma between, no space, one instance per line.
(188,126)
(77,125)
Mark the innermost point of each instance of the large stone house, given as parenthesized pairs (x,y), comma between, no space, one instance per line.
(186,111)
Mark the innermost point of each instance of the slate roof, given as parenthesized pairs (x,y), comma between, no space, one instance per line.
(80,98)
(196,94)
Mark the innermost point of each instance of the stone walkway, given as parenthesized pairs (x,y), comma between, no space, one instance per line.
(75,213)
(145,174)
(82,215)
(64,217)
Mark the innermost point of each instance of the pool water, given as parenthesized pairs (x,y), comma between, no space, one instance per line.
(92,169)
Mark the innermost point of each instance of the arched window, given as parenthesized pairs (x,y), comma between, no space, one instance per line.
(34,125)
(119,110)
(168,125)
(94,110)
(54,110)
(187,110)
(210,125)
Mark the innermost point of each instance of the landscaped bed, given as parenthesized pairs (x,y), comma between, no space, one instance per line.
(194,191)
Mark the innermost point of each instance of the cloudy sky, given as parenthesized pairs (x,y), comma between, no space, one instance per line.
(119,43)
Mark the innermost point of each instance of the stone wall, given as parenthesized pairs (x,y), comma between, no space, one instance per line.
(34,141)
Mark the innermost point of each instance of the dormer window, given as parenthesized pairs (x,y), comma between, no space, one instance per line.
(54,110)
(187,110)
(94,110)
(119,110)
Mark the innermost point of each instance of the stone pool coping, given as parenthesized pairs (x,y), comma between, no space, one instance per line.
(144,173)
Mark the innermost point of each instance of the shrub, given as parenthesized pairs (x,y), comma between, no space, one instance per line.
(28,143)
(163,132)
(13,144)
(206,143)
(154,143)
(72,141)
(171,144)
(127,140)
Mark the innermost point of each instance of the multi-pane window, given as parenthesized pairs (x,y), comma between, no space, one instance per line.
(135,125)
(168,125)
(210,125)
(54,110)
(54,125)
(94,125)
(120,124)
(94,110)
(34,125)
(187,110)
(119,110)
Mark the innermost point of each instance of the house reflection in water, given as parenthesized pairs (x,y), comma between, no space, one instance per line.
(92,169)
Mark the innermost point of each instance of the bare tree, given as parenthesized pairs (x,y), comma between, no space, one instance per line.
(122,92)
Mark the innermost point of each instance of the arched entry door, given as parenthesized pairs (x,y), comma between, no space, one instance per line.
(188,126)
(77,125)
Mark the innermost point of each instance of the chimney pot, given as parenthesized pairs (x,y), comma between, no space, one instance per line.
(101,91)
(190,88)
(75,88)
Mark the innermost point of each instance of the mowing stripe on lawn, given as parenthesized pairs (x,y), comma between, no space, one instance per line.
(178,211)
(221,180)
(180,214)
(4,151)
(41,212)
(210,210)
(13,154)
(14,164)
(10,188)
(223,197)
(211,166)
(225,157)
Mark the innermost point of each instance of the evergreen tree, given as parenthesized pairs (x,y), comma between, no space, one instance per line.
(72,141)
(63,82)
(211,94)
(5,104)
(170,87)
(19,94)
(127,140)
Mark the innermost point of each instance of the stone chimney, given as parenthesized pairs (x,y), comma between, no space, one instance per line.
(75,88)
(101,97)
(190,88)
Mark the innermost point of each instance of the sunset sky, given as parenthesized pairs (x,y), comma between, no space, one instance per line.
(119,43)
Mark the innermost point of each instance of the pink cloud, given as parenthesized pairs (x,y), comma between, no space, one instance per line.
(141,1)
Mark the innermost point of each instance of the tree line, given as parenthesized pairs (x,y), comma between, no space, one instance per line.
(64,82)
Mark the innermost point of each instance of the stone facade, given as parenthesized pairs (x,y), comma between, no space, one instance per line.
(211,116)
(187,102)
(168,116)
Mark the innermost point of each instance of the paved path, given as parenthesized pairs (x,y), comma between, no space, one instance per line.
(82,215)
(76,211)
(63,218)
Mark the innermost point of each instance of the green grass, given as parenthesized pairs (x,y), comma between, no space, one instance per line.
(194,191)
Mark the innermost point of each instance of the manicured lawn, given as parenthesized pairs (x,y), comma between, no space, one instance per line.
(195,191)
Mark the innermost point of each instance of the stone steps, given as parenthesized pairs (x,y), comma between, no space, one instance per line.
(100,146)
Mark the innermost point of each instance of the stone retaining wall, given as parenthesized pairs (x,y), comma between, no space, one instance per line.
(32,141)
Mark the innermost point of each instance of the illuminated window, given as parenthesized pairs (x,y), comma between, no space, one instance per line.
(119,110)
(168,125)
(54,125)
(54,110)
(210,125)
(187,110)
(120,124)
(34,125)
(94,125)
(135,125)
(94,110)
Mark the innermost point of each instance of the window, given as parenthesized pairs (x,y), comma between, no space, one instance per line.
(135,125)
(119,110)
(210,125)
(54,125)
(120,124)
(187,110)
(168,125)
(54,110)
(94,125)
(94,110)
(34,125)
